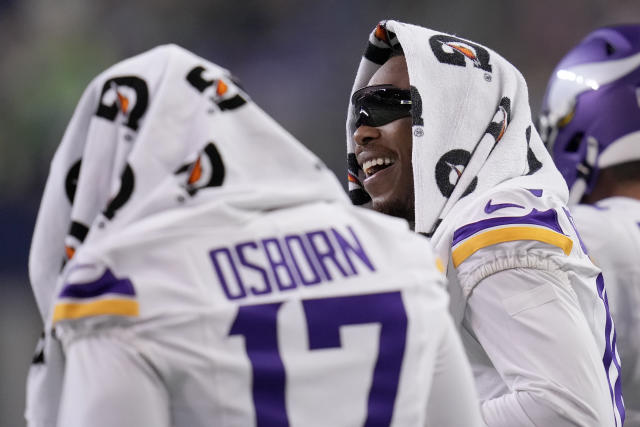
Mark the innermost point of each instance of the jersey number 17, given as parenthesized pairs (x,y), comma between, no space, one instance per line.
(324,317)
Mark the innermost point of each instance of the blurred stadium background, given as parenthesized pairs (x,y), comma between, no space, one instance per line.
(297,59)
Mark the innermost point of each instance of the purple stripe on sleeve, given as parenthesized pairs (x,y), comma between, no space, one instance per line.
(610,351)
(547,219)
(536,192)
(618,385)
(107,284)
(573,224)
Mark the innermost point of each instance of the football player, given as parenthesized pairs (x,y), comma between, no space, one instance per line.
(439,132)
(590,121)
(229,281)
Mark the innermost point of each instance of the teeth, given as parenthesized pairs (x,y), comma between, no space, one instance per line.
(375,162)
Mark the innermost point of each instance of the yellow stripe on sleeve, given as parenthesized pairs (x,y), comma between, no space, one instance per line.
(116,307)
(509,234)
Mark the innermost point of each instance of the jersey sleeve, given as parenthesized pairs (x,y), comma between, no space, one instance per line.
(530,325)
(107,382)
(91,288)
(453,382)
(44,384)
(512,230)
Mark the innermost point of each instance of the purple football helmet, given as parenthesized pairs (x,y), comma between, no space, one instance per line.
(590,117)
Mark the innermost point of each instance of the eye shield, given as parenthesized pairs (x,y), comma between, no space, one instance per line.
(380,104)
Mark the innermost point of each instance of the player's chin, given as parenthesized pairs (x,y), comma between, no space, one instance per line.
(394,208)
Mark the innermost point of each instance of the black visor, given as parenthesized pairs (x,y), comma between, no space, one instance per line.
(381,104)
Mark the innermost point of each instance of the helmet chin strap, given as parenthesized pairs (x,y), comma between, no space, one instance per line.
(585,172)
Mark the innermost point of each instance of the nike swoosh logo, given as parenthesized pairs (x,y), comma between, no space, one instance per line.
(488,208)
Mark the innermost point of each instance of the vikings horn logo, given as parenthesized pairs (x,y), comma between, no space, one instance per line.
(449,169)
(127,95)
(454,51)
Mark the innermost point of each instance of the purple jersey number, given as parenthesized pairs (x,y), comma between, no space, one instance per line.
(258,325)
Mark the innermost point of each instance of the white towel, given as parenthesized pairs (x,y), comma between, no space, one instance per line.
(149,133)
(472,126)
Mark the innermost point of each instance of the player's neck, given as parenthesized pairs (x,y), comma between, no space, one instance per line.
(630,189)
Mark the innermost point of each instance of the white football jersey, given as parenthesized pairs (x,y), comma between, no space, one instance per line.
(611,231)
(320,315)
(533,311)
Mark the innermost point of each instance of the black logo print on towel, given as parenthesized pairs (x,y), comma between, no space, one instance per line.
(118,95)
(207,171)
(223,99)
(454,51)
(449,170)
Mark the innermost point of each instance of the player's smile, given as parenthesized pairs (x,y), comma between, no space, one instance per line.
(378,176)
(376,165)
